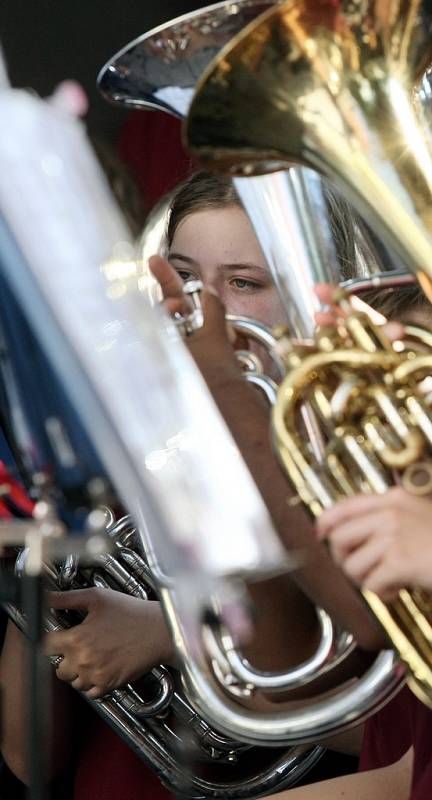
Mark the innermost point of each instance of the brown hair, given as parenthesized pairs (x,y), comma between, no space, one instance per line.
(403,303)
(203,190)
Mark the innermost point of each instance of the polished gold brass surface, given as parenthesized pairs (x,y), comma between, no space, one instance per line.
(329,85)
(377,424)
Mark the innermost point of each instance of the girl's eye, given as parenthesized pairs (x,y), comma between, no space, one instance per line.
(244,284)
(185,275)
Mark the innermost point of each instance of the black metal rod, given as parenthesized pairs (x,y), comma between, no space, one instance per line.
(38,682)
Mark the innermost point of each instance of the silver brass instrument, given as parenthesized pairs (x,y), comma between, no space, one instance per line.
(159,70)
(334,88)
(154,72)
(162,728)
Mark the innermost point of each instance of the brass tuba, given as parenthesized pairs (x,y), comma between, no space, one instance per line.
(333,88)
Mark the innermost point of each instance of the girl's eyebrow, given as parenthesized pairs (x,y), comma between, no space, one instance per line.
(241,265)
(221,267)
(185,259)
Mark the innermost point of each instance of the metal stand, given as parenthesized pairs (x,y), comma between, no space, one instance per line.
(38,682)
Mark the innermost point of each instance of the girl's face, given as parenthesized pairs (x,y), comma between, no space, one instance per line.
(219,247)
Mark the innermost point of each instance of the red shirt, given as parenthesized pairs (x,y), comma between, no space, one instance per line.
(387,734)
(403,722)
(150,143)
(421,728)
(107,769)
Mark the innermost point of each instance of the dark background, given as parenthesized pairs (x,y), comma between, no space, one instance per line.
(45,41)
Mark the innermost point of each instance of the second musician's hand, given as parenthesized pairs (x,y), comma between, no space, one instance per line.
(103,653)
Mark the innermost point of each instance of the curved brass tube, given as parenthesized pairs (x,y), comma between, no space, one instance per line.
(406,621)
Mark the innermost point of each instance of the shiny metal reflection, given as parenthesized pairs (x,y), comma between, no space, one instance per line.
(161,67)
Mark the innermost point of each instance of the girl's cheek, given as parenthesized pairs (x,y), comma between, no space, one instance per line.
(261,305)
(269,310)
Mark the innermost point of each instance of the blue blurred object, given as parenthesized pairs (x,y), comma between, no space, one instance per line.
(40,430)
